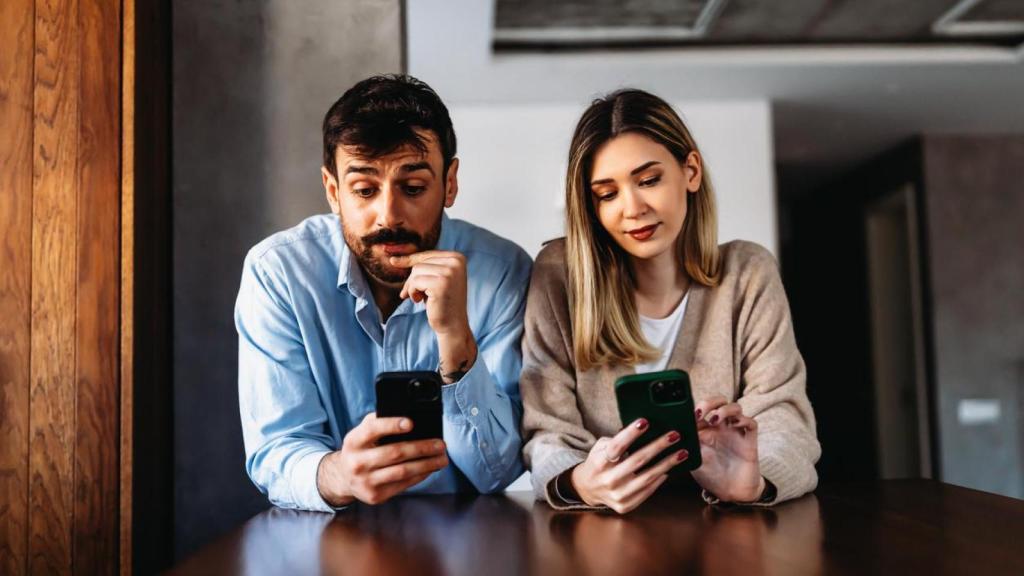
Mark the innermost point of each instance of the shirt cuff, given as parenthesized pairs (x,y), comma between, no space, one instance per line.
(469,399)
(306,493)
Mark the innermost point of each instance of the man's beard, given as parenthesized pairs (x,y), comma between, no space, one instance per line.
(378,267)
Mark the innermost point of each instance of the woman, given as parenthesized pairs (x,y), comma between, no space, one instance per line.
(640,284)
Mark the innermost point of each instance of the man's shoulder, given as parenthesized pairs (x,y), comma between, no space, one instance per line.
(314,236)
(483,247)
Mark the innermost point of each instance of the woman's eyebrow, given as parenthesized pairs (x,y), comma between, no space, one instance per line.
(634,172)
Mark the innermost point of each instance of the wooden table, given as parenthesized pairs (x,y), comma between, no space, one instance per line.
(887,527)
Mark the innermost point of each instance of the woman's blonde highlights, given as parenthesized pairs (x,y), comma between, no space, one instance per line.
(606,325)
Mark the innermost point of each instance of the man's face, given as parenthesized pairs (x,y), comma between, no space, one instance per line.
(390,205)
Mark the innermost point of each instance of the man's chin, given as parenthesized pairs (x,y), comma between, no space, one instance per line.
(387,274)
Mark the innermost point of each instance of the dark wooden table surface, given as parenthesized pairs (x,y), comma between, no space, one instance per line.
(887,527)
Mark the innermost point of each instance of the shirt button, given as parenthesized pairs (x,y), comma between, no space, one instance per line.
(483,444)
(473,411)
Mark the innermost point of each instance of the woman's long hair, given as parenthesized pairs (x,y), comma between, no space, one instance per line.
(605,322)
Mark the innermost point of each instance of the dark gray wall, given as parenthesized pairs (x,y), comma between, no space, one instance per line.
(251,82)
(974,215)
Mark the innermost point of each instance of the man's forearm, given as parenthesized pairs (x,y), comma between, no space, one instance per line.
(457,355)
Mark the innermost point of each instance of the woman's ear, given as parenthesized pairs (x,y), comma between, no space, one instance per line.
(693,171)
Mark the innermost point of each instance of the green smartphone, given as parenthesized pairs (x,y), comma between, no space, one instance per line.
(665,400)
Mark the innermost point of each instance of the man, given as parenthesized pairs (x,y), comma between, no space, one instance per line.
(387,282)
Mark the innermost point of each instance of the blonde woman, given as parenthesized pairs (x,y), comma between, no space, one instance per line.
(640,284)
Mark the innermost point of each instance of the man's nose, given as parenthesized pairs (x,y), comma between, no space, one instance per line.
(390,211)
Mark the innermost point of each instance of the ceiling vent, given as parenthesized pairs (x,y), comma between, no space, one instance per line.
(982,18)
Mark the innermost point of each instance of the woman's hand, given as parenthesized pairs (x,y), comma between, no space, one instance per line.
(728,448)
(611,477)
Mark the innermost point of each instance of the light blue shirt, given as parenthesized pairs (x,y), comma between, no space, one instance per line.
(311,342)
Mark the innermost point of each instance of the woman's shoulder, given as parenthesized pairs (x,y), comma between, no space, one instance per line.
(552,252)
(742,258)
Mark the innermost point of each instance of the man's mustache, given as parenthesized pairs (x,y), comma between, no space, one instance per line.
(392,236)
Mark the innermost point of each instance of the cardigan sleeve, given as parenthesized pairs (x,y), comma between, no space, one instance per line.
(773,380)
(554,437)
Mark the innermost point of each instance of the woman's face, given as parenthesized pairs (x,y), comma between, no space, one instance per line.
(639,191)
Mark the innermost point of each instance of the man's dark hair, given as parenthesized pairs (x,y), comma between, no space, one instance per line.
(377,116)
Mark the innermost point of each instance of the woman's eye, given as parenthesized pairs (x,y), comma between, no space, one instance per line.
(364,192)
(650,181)
(415,190)
(607,196)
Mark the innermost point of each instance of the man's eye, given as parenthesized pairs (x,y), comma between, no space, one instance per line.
(415,190)
(650,181)
(364,192)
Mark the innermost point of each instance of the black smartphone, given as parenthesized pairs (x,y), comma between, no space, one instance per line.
(414,395)
(665,400)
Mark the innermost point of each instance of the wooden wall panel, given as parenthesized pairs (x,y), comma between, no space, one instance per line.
(98,279)
(17,28)
(127,348)
(54,215)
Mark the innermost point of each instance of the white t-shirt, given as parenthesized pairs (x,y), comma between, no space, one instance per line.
(662,333)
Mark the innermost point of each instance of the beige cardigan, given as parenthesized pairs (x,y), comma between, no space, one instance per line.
(736,341)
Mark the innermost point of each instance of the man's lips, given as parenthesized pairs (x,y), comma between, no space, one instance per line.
(398,248)
(643,233)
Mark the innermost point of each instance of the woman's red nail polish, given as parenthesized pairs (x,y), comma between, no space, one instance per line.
(641,424)
(714,419)
(673,437)
(681,455)
(698,413)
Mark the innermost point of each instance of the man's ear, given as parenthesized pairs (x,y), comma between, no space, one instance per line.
(451,181)
(331,189)
(693,170)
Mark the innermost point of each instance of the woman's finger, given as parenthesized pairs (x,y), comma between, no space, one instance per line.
(721,414)
(742,423)
(616,448)
(707,405)
(657,470)
(639,458)
(642,495)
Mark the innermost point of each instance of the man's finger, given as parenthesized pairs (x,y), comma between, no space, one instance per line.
(378,428)
(410,260)
(391,454)
(406,470)
(616,448)
(419,284)
(391,490)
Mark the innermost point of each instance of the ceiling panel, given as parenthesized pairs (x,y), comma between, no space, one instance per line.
(577,24)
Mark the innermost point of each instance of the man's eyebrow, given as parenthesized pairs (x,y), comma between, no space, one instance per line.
(370,170)
(633,172)
(414,166)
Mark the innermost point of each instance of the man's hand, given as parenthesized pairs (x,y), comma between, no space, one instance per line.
(364,471)
(439,277)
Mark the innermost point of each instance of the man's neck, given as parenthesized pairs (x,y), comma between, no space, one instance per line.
(385,296)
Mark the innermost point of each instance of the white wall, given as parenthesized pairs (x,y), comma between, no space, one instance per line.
(514,117)
(513,160)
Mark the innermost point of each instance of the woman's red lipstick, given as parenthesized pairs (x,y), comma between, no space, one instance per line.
(643,233)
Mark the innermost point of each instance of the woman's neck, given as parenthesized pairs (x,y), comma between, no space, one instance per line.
(661,284)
